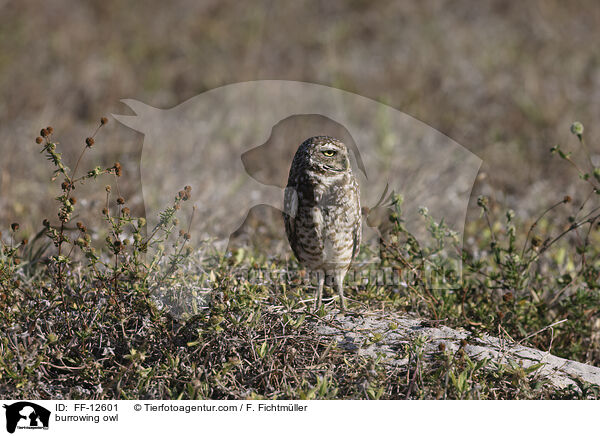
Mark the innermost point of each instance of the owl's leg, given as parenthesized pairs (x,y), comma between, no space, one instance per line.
(321,282)
(339,284)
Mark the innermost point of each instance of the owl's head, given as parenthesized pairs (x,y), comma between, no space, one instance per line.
(325,154)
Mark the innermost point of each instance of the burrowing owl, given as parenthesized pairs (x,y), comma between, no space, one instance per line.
(322,211)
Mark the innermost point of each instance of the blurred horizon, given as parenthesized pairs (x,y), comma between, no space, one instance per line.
(503,79)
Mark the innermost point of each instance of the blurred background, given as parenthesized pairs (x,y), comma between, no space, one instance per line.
(503,79)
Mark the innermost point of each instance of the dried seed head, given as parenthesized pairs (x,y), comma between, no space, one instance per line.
(120,200)
(24,241)
(73,200)
(39,140)
(176,221)
(181,232)
(65,185)
(80,225)
(567,199)
(105,211)
(103,121)
(577,128)
(107,188)
(187,236)
(185,193)
(89,141)
(50,130)
(118,170)
(126,211)
(46,223)
(14,227)
(44,133)
(536,241)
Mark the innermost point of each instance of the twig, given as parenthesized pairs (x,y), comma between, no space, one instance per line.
(541,330)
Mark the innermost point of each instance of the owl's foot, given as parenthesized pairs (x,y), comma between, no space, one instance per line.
(339,284)
(343,307)
(319,294)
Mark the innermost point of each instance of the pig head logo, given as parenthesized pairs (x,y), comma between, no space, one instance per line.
(234,146)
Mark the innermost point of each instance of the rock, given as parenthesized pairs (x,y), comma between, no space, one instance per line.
(373,334)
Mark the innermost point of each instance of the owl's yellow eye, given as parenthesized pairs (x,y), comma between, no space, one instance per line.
(329,153)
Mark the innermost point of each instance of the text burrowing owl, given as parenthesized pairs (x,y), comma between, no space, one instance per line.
(322,211)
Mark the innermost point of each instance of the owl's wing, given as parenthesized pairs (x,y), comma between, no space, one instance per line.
(357,233)
(290,210)
(290,201)
(357,237)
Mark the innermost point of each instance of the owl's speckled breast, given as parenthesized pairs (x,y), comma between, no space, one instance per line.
(322,206)
(326,221)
